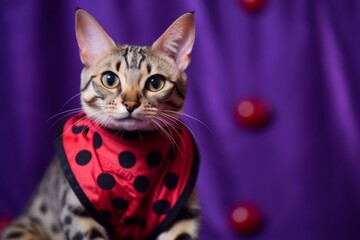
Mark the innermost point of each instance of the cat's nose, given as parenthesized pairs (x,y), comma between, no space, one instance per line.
(131,105)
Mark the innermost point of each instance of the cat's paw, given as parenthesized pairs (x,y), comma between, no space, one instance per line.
(182,230)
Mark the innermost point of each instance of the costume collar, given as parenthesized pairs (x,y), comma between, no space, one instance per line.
(133,183)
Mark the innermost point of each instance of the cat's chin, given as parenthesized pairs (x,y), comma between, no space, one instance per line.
(130,124)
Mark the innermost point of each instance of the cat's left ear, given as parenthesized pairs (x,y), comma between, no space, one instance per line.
(178,40)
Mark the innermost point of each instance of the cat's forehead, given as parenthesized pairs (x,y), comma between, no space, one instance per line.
(134,58)
(127,53)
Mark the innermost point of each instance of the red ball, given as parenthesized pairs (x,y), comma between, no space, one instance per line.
(252,112)
(252,5)
(246,219)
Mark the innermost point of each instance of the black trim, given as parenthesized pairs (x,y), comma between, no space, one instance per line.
(175,211)
(188,213)
(163,226)
(73,183)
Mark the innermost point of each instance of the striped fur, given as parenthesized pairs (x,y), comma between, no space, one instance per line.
(133,65)
(123,87)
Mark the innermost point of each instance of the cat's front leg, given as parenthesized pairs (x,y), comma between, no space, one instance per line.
(77,223)
(24,228)
(186,226)
(182,230)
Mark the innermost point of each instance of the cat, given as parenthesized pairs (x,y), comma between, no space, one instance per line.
(136,178)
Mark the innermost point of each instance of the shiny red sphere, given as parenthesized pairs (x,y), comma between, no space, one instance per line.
(253,112)
(246,219)
(252,5)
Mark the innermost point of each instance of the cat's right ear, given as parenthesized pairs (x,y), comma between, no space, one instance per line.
(92,39)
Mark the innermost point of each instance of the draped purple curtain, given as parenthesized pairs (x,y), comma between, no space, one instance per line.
(302,57)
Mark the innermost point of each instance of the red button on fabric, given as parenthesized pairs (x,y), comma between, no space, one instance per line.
(252,112)
(252,5)
(246,219)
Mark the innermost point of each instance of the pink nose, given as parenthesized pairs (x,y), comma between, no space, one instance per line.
(131,105)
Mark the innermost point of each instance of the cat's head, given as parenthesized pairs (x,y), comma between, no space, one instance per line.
(134,87)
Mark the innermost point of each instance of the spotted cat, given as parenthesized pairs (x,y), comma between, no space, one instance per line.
(126,166)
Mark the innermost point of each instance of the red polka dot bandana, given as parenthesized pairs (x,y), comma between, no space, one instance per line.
(133,183)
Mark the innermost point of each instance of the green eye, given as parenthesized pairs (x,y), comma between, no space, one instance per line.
(155,83)
(110,80)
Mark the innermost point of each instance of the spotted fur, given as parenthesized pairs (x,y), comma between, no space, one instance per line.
(124,88)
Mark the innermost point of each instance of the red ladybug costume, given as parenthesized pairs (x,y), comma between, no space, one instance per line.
(133,183)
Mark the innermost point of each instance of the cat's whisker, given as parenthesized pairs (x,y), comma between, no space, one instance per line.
(64,112)
(140,135)
(175,125)
(191,118)
(89,121)
(165,133)
(122,134)
(118,131)
(76,95)
(175,119)
(70,127)
(106,123)
(162,130)
(99,123)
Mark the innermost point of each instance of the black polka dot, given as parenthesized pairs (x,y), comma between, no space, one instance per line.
(143,224)
(106,215)
(141,184)
(106,181)
(171,180)
(79,129)
(161,207)
(83,157)
(127,159)
(97,140)
(120,203)
(135,221)
(153,159)
(132,221)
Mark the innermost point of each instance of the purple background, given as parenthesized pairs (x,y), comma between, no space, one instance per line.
(303,57)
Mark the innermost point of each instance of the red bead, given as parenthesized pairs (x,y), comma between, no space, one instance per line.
(4,222)
(252,112)
(246,219)
(252,5)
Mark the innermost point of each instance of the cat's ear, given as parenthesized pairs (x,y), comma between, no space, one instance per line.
(177,41)
(93,41)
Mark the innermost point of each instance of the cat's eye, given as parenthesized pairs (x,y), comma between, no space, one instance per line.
(110,80)
(155,83)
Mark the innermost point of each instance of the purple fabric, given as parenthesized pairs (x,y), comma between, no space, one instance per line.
(303,57)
